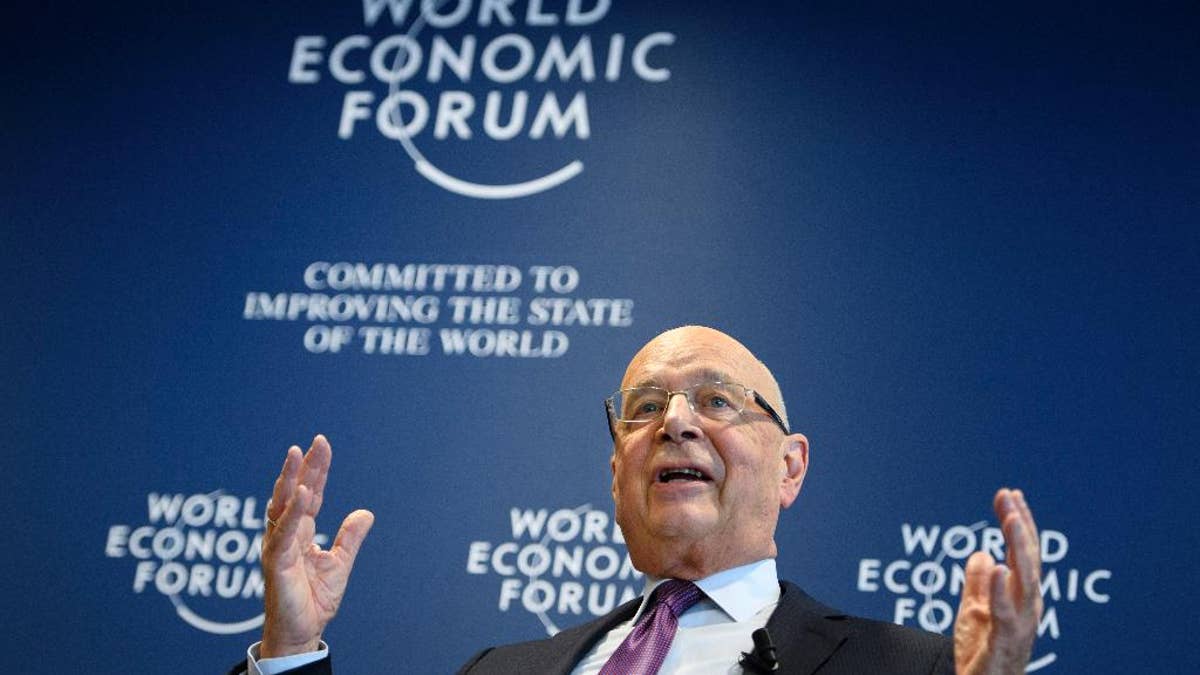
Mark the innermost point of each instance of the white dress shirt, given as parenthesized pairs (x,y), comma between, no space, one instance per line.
(273,666)
(714,632)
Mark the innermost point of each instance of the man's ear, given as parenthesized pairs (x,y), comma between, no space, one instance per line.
(795,465)
(612,464)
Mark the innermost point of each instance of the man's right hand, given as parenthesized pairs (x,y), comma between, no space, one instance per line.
(304,584)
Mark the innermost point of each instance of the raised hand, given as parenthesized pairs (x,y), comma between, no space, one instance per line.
(304,584)
(1001,605)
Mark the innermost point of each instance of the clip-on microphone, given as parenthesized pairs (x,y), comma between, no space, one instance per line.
(762,659)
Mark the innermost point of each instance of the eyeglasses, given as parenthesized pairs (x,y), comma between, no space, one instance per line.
(720,401)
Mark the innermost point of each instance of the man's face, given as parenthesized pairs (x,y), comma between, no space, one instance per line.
(748,469)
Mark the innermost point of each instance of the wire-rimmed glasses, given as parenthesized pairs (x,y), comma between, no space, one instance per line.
(720,401)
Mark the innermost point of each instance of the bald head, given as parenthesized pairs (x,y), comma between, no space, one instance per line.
(727,359)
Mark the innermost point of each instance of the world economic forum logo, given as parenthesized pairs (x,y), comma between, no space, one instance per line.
(202,551)
(465,72)
(563,566)
(926,581)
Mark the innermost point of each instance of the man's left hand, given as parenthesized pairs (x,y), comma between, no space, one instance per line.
(1001,605)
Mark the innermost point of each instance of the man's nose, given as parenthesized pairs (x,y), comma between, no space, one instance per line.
(680,423)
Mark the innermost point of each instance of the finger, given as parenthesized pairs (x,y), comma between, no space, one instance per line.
(1023,584)
(1020,550)
(351,534)
(1027,519)
(1020,533)
(1003,504)
(1025,557)
(1007,510)
(285,536)
(316,471)
(285,484)
(1012,502)
(978,573)
(1016,546)
(1003,612)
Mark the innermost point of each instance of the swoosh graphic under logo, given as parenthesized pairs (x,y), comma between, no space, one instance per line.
(464,187)
(196,621)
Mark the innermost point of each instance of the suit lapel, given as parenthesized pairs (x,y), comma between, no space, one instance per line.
(806,633)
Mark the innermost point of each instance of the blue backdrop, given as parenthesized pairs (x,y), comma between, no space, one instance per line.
(963,237)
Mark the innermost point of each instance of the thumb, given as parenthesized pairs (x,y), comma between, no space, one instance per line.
(351,534)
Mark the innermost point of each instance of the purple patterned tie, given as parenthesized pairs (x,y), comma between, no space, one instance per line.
(646,646)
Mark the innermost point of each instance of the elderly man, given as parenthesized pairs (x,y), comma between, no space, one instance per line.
(703,462)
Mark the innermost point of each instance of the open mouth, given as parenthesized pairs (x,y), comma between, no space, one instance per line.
(682,474)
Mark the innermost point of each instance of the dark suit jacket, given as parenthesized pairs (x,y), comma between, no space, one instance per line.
(809,638)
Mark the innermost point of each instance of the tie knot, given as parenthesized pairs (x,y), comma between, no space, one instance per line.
(678,595)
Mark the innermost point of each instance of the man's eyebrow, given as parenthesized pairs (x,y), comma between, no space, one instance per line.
(695,377)
(713,375)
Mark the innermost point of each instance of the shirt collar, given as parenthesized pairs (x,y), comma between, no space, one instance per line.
(741,592)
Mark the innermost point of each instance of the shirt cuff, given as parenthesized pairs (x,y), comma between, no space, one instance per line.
(278,664)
